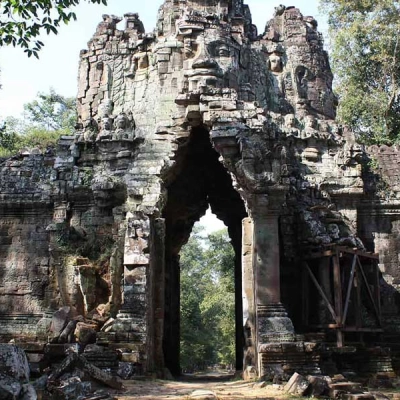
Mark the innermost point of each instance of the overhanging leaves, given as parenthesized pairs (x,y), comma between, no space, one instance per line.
(22,21)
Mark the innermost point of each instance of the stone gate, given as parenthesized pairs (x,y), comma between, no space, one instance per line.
(203,111)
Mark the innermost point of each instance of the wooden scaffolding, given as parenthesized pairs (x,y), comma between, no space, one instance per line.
(347,291)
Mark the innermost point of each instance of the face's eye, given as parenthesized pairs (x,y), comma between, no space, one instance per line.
(223,51)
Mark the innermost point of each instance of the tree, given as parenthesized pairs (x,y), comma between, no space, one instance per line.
(46,119)
(22,21)
(365,56)
(8,137)
(52,111)
(207,300)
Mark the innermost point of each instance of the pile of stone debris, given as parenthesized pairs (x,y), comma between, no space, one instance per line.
(70,364)
(69,327)
(74,379)
(336,387)
(70,332)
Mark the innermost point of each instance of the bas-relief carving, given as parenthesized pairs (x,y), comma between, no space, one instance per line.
(137,240)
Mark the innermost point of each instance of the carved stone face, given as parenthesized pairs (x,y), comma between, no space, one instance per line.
(275,62)
(290,121)
(121,122)
(310,122)
(333,231)
(323,125)
(106,123)
(215,61)
(106,108)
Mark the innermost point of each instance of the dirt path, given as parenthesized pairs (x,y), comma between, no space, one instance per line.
(224,389)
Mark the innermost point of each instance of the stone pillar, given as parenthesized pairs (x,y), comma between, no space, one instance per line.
(155,355)
(273,324)
(130,325)
(248,294)
(266,244)
(172,314)
(236,241)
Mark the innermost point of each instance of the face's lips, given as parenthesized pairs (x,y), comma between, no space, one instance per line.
(207,63)
(204,72)
(204,67)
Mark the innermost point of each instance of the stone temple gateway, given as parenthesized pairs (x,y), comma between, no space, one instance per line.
(205,111)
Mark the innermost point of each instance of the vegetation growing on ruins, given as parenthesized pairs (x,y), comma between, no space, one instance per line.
(365,56)
(23,21)
(207,300)
(45,120)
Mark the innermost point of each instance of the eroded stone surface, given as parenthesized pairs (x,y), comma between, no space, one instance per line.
(13,362)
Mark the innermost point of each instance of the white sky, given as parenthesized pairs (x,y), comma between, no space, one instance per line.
(22,77)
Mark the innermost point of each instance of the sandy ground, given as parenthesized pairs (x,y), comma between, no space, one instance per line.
(222,386)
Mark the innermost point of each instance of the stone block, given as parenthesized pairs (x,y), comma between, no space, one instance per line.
(74,360)
(344,387)
(13,362)
(130,357)
(318,385)
(58,350)
(203,395)
(297,385)
(85,333)
(380,396)
(28,392)
(10,388)
(126,370)
(357,396)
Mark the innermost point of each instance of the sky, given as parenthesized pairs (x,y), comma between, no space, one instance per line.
(22,78)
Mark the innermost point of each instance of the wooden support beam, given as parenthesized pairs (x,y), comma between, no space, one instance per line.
(356,329)
(321,292)
(324,326)
(337,285)
(360,253)
(377,286)
(357,284)
(378,316)
(349,287)
(320,254)
(305,314)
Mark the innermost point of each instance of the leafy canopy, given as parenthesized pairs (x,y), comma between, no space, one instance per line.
(45,120)
(207,300)
(366,53)
(22,21)
(52,111)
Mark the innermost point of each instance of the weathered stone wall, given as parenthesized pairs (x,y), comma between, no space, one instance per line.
(379,216)
(27,285)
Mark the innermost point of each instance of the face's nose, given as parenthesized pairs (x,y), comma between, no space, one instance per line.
(204,62)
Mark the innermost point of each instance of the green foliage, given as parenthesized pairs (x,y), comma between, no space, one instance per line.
(373,164)
(83,243)
(52,111)
(45,120)
(22,21)
(365,57)
(207,300)
(8,138)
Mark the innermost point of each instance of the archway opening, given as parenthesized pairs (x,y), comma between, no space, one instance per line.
(199,181)
(207,299)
